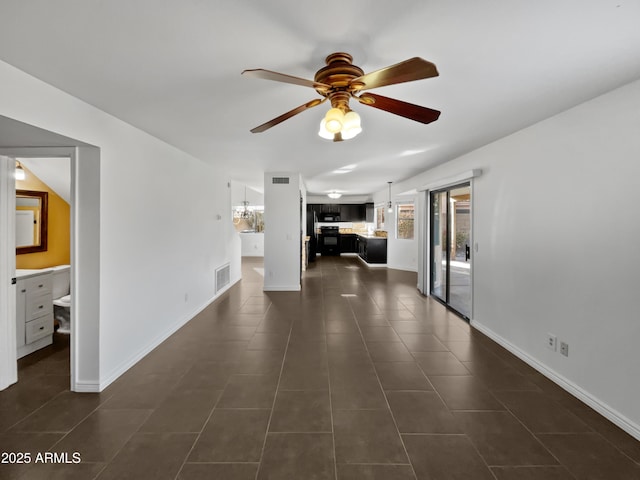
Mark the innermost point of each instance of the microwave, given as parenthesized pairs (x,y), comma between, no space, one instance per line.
(330,217)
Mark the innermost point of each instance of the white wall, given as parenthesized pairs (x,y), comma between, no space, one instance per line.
(555,217)
(165,221)
(282,232)
(402,254)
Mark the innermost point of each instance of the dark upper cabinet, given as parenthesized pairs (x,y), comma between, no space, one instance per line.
(330,208)
(348,212)
(352,213)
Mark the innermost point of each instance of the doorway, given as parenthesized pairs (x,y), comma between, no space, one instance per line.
(450,247)
(85,261)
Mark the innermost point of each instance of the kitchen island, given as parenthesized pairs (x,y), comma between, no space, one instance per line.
(372,249)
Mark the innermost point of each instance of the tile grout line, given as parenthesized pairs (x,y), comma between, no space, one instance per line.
(275,396)
(333,431)
(434,389)
(150,410)
(204,425)
(404,447)
(464,434)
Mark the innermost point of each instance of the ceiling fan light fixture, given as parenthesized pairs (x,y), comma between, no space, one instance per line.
(334,119)
(351,126)
(323,132)
(334,195)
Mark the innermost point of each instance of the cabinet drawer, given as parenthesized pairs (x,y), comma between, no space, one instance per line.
(39,285)
(38,306)
(36,329)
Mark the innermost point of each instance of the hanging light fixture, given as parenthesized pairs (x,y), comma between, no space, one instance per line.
(389,204)
(245,213)
(20,173)
(338,125)
(340,122)
(334,194)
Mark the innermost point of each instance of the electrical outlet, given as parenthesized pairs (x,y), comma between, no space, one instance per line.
(551,342)
(564,349)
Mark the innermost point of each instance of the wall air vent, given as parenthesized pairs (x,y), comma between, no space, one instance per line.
(222,277)
(280,180)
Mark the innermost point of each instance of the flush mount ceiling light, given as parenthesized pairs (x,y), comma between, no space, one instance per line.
(20,173)
(334,195)
(389,204)
(340,81)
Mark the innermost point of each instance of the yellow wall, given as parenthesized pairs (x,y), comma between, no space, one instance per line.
(58,248)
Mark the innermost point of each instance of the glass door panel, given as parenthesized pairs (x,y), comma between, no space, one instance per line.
(439,245)
(451,247)
(460,254)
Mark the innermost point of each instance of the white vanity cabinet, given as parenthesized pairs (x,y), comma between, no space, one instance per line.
(34,310)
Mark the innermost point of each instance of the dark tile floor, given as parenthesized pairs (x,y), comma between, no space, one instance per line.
(381,384)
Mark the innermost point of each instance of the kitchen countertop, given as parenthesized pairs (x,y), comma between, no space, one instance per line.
(371,236)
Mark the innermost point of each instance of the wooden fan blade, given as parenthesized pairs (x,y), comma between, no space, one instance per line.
(413,69)
(404,109)
(281,77)
(286,116)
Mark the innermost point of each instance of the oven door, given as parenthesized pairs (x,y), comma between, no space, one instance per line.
(330,244)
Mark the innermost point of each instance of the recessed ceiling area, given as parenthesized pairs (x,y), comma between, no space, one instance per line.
(173,69)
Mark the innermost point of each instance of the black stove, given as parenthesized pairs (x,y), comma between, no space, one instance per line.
(330,243)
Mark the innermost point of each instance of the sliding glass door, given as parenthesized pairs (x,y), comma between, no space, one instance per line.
(451,247)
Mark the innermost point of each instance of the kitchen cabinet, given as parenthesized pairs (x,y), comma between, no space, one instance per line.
(34,311)
(348,212)
(348,243)
(333,208)
(352,213)
(372,249)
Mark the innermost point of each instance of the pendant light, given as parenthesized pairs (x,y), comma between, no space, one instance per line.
(389,204)
(245,213)
(20,173)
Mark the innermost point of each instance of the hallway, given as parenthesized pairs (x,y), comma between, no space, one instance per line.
(356,377)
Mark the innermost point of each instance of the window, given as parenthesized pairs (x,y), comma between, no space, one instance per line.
(405,216)
(380,217)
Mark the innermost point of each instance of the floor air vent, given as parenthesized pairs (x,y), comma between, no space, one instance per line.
(222,277)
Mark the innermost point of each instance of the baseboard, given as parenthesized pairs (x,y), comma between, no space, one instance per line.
(602,408)
(87,387)
(281,288)
(403,268)
(123,367)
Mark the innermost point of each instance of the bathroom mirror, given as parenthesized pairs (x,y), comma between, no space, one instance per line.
(31,221)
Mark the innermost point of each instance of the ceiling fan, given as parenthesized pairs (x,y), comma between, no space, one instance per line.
(340,80)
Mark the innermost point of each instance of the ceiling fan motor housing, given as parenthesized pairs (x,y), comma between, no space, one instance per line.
(339,73)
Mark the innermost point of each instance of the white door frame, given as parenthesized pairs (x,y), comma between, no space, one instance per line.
(8,363)
(85,264)
(424,228)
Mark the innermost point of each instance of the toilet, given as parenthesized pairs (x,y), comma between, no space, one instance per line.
(62,297)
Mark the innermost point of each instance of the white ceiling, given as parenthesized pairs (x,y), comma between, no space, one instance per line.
(172,68)
(55,172)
